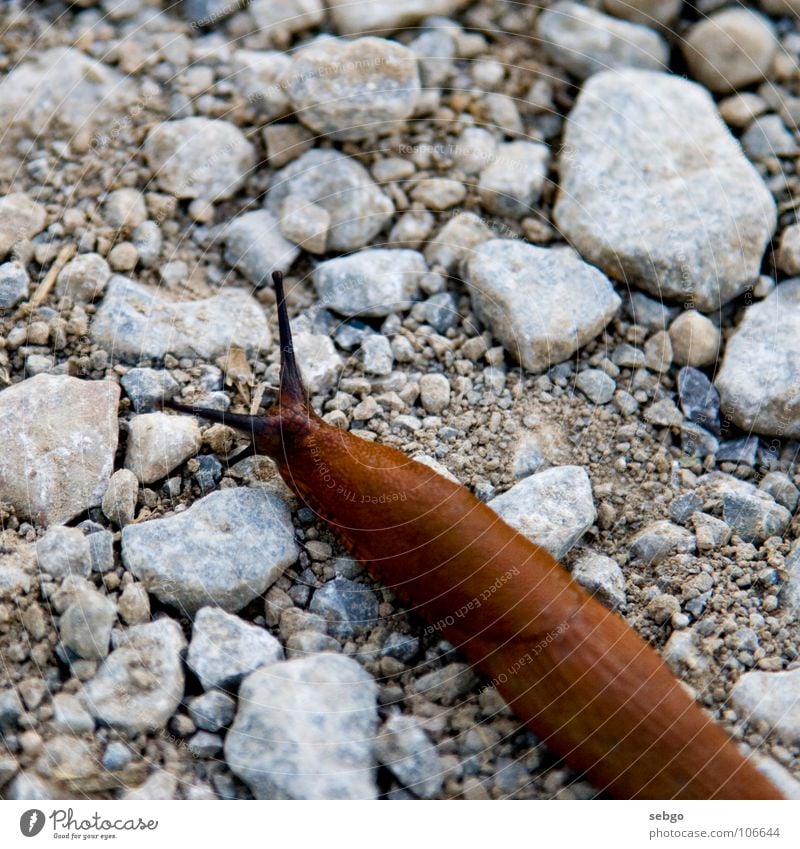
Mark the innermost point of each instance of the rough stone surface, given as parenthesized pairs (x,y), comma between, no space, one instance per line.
(596,385)
(20,218)
(356,89)
(84,278)
(650,12)
(406,750)
(278,20)
(255,245)
(319,362)
(226,549)
(659,540)
(372,282)
(678,209)
(602,576)
(14,284)
(754,517)
(135,323)
(512,182)
(349,607)
(351,18)
(585,41)
(158,443)
(760,373)
(305,729)
(543,304)
(85,626)
(260,76)
(770,697)
(457,240)
(59,435)
(224,649)
(552,508)
(358,209)
(119,502)
(199,157)
(695,339)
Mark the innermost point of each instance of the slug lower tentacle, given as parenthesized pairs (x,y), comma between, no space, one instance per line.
(572,670)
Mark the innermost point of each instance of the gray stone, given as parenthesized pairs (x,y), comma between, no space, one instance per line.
(85,626)
(434,393)
(677,210)
(279,20)
(541,303)
(30,787)
(213,710)
(260,77)
(226,549)
(14,285)
(349,607)
(730,49)
(755,517)
(474,150)
(134,604)
(255,246)
(406,750)
(585,41)
(61,91)
(119,501)
(117,756)
(760,373)
(440,311)
(553,508)
(446,685)
(788,258)
(64,551)
(305,730)
(439,193)
(203,744)
(124,209)
(158,443)
(457,240)
(148,387)
(70,715)
(435,50)
(697,442)
(660,540)
(83,278)
(308,643)
(352,90)
(135,323)
(140,684)
(20,217)
(11,708)
(59,435)
(663,413)
(199,157)
(710,532)
(699,399)
(306,224)
(358,209)
(779,485)
(740,451)
(371,282)
(601,576)
(772,698)
(376,355)
(596,385)
(160,785)
(683,506)
(147,240)
(224,648)
(767,137)
(384,17)
(320,364)
(650,12)
(511,184)
(402,647)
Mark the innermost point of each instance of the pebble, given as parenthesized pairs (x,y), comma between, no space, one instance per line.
(358,209)
(226,549)
(596,385)
(767,137)
(411,229)
(474,150)
(742,450)
(376,355)
(278,22)
(730,50)
(663,413)
(119,501)
(754,517)
(402,647)
(385,17)
(147,387)
(673,232)
(739,110)
(158,443)
(85,626)
(57,465)
(62,91)
(320,364)
(124,209)
(772,698)
(660,540)
(135,323)
(699,399)
(788,258)
(323,751)
(199,157)
(696,340)
(585,41)
(134,604)
(147,240)
(648,12)
(409,754)
(14,285)
(20,217)
(543,304)
(30,787)
(780,487)
(139,686)
(213,710)
(603,577)
(511,184)
(203,744)
(434,393)
(260,77)
(160,785)
(553,508)
(370,282)
(446,685)
(439,193)
(349,608)
(306,224)
(440,311)
(285,142)
(123,257)
(64,551)
(760,372)
(70,715)
(209,472)
(255,245)
(224,649)
(456,241)
(329,79)
(710,532)
(83,278)
(11,708)
(683,506)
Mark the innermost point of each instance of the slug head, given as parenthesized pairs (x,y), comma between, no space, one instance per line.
(287,417)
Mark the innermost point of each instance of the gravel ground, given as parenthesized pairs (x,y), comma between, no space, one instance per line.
(516,247)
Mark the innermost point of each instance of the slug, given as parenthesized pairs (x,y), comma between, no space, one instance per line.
(573,671)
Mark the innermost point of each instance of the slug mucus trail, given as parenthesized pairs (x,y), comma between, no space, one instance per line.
(573,671)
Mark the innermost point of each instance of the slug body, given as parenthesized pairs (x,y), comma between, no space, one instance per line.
(584,682)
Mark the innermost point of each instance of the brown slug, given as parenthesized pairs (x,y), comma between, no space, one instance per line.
(581,679)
